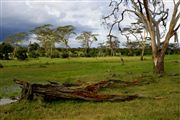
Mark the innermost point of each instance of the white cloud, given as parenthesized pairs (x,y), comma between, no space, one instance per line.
(84,14)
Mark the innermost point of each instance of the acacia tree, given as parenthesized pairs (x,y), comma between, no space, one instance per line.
(154,16)
(86,38)
(136,31)
(112,43)
(47,37)
(64,33)
(15,40)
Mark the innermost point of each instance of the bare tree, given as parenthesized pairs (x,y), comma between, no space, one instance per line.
(154,16)
(112,43)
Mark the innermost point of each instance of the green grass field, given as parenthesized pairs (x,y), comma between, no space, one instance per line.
(167,88)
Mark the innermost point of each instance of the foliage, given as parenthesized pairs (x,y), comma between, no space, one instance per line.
(21,53)
(86,39)
(5,50)
(33,54)
(41,51)
(64,54)
(33,50)
(55,54)
(46,36)
(33,47)
(63,33)
(14,39)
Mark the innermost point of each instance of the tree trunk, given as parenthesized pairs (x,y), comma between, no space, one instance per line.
(142,54)
(55,91)
(87,52)
(158,63)
(112,52)
(51,52)
(14,52)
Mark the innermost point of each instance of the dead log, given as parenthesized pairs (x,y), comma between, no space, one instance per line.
(60,91)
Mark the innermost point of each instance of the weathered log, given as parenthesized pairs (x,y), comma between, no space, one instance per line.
(82,92)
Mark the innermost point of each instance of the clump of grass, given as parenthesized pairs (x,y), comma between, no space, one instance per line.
(42,66)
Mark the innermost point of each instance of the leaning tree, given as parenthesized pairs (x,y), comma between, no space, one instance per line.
(154,15)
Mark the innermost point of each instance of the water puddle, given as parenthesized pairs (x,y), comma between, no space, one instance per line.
(5,101)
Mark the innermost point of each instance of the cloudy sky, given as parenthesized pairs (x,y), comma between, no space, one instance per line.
(24,15)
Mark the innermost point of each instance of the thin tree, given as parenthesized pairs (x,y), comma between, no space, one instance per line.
(112,43)
(154,16)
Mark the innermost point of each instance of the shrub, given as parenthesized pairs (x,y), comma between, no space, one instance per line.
(55,54)
(65,55)
(21,53)
(92,53)
(1,56)
(5,50)
(33,54)
(41,52)
(33,47)
(1,66)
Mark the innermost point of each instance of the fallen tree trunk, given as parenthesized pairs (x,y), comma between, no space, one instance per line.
(72,91)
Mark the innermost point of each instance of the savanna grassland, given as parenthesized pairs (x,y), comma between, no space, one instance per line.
(166,89)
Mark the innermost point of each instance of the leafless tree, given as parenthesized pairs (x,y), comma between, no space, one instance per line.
(154,16)
(112,43)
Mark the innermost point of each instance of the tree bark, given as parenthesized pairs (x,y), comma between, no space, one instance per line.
(55,91)
(158,63)
(142,54)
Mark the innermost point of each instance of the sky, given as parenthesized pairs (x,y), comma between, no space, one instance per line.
(85,15)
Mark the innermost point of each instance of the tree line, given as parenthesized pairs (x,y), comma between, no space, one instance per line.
(34,50)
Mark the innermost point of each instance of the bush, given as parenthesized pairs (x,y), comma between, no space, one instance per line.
(41,52)
(33,54)
(1,56)
(55,54)
(21,53)
(65,55)
(1,66)
(73,54)
(92,53)
(33,47)
(5,50)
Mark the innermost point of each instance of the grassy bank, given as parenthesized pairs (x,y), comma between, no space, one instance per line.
(166,88)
